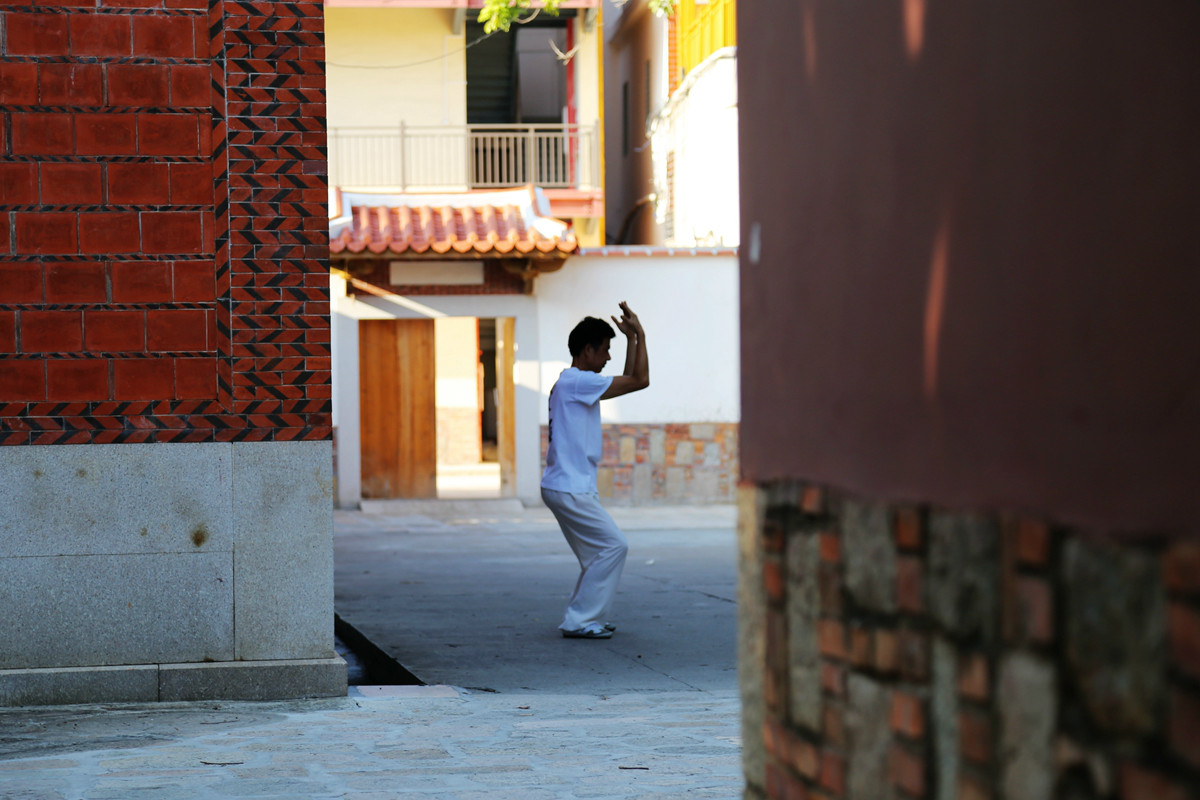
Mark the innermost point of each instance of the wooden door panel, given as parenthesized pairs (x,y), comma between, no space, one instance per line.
(506,439)
(397,408)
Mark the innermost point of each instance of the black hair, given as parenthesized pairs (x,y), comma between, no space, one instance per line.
(590,330)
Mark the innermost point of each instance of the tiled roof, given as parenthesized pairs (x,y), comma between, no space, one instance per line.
(511,223)
(643,251)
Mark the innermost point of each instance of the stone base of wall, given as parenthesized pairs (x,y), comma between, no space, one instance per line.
(897,651)
(166,554)
(148,683)
(458,436)
(667,464)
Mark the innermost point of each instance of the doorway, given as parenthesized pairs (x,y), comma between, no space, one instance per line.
(437,408)
(396,406)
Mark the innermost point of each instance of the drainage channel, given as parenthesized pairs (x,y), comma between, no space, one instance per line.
(366,664)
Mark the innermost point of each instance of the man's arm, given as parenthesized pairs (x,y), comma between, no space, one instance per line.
(637,363)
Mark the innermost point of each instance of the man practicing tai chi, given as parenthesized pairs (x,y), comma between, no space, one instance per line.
(576,444)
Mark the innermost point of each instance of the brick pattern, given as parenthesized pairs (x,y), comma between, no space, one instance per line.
(912,652)
(667,464)
(163,230)
(376,271)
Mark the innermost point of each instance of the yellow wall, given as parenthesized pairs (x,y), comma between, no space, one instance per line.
(429,93)
(587,73)
(705,28)
(589,80)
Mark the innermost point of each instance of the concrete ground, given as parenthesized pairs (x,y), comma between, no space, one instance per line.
(466,595)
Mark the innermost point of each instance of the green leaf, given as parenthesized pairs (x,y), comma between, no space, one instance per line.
(501,14)
(663,8)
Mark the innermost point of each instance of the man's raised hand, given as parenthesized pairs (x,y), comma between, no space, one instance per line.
(628,324)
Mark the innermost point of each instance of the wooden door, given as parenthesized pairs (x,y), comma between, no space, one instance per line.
(506,439)
(397,407)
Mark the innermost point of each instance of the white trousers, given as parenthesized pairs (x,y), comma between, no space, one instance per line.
(600,547)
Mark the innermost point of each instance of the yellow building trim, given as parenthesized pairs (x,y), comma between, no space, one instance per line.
(603,128)
(704,28)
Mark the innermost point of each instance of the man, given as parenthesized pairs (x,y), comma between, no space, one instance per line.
(576,444)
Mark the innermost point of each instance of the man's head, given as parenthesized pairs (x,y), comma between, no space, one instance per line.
(589,342)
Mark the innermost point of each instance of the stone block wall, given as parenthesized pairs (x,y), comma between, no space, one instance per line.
(164,350)
(667,463)
(894,651)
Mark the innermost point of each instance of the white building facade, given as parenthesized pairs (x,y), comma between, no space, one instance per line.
(675,442)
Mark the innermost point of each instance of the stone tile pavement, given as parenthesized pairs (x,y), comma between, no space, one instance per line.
(652,713)
(437,742)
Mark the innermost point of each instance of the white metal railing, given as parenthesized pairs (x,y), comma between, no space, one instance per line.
(450,157)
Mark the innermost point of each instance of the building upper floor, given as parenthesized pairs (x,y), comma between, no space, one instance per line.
(702,27)
(421,99)
(672,145)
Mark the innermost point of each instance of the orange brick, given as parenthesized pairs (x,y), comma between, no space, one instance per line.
(1033,543)
(973,677)
(834,724)
(1139,783)
(906,771)
(773,580)
(790,749)
(831,638)
(970,788)
(860,647)
(833,679)
(51,331)
(831,547)
(1036,609)
(886,656)
(909,582)
(77,379)
(781,785)
(1183,627)
(22,379)
(1181,568)
(833,772)
(812,500)
(908,715)
(907,527)
(975,737)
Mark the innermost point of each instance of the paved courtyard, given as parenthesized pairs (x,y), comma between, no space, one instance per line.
(466,597)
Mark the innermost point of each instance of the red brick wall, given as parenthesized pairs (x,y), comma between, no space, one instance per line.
(912,652)
(163,231)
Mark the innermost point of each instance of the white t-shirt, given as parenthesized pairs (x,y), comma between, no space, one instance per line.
(576,442)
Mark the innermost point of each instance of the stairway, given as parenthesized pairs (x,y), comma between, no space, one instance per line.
(491,87)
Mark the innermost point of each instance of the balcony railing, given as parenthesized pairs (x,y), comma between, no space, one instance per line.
(453,158)
(704,28)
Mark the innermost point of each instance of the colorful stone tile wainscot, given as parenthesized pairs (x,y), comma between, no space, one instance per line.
(667,464)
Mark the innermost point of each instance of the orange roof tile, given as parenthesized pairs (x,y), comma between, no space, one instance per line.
(643,251)
(495,224)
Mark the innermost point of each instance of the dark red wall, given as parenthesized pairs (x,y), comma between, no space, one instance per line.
(976,280)
(163,228)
